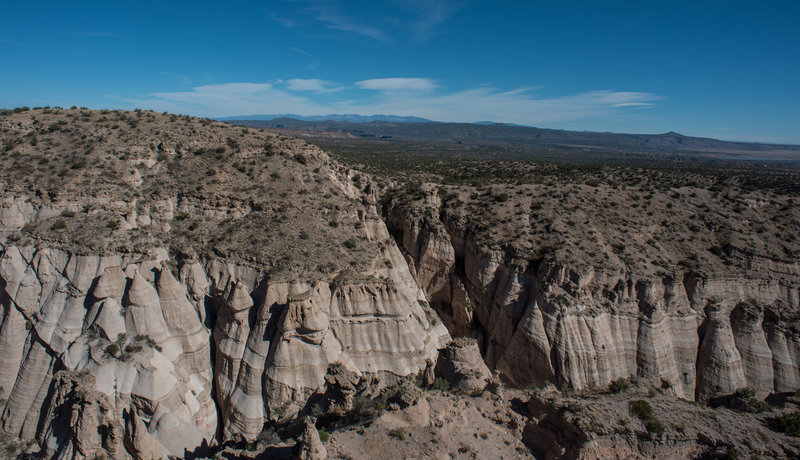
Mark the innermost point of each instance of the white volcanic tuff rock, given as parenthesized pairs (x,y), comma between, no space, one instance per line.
(197,285)
(21,413)
(754,350)
(139,442)
(84,425)
(268,355)
(460,362)
(12,342)
(309,447)
(276,353)
(374,328)
(586,329)
(175,384)
(230,337)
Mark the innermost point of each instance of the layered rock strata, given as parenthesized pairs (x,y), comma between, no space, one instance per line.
(133,329)
(545,321)
(172,313)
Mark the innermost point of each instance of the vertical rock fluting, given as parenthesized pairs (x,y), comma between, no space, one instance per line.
(547,323)
(134,334)
(127,328)
(271,357)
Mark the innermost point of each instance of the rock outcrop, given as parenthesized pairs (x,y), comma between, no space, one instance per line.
(547,322)
(309,447)
(137,342)
(461,364)
(144,314)
(132,331)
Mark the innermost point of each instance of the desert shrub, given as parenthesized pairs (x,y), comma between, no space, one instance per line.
(655,427)
(397,434)
(440,384)
(323,435)
(112,349)
(270,436)
(756,405)
(279,411)
(58,225)
(619,385)
(717,251)
(790,423)
(301,159)
(641,409)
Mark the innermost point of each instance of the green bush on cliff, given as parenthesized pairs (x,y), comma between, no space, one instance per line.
(790,423)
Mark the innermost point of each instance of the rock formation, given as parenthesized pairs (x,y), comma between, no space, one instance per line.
(309,447)
(548,322)
(200,280)
(164,349)
(461,364)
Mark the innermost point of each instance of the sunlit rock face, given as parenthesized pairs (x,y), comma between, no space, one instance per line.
(183,279)
(136,338)
(696,335)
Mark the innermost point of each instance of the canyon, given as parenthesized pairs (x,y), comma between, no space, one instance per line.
(170,285)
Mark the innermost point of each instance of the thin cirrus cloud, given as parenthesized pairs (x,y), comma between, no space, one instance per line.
(312,84)
(397,96)
(398,84)
(330,14)
(420,20)
(430,15)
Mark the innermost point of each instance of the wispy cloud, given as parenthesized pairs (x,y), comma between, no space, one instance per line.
(398,84)
(397,96)
(90,34)
(230,99)
(330,13)
(312,84)
(313,63)
(516,106)
(386,22)
(430,14)
(16,43)
(286,22)
(300,51)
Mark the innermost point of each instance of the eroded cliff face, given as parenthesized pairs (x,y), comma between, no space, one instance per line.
(147,314)
(128,326)
(545,321)
(133,333)
(273,353)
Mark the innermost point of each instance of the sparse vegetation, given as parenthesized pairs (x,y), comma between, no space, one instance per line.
(789,423)
(440,384)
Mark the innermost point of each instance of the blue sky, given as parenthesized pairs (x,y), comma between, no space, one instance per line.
(719,68)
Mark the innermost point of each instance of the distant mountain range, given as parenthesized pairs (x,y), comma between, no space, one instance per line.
(488,134)
(350,118)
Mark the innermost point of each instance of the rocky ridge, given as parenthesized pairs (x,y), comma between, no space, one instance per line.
(544,315)
(173,286)
(174,314)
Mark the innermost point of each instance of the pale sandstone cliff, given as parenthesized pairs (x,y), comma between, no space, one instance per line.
(150,315)
(549,322)
(147,313)
(270,353)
